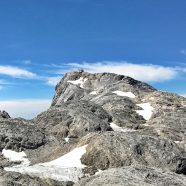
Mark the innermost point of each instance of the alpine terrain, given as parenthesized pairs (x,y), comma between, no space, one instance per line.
(100,130)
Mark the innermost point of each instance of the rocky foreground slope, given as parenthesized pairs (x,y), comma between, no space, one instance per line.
(101,129)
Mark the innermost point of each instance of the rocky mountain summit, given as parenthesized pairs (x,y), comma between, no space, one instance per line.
(101,129)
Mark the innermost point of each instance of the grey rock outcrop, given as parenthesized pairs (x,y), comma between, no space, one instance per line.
(17,136)
(4,114)
(134,176)
(117,149)
(74,119)
(104,82)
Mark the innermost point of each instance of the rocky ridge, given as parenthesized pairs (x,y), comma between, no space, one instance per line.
(101,129)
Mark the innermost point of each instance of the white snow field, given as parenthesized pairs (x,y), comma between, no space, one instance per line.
(147,110)
(79,81)
(64,168)
(120,129)
(14,156)
(126,94)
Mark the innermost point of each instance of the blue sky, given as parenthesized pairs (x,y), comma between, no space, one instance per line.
(42,39)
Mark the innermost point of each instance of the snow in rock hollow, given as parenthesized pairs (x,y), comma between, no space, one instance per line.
(99,172)
(120,129)
(147,110)
(14,156)
(64,168)
(66,139)
(126,94)
(93,93)
(79,81)
(71,159)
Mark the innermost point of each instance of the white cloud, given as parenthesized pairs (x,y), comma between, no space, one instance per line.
(183,51)
(53,80)
(16,72)
(3,82)
(27,62)
(25,108)
(184,95)
(143,72)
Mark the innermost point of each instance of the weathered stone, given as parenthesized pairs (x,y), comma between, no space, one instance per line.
(134,176)
(101,82)
(117,149)
(74,119)
(18,136)
(16,179)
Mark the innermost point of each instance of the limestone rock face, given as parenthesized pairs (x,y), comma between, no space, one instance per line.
(75,119)
(117,149)
(76,85)
(133,176)
(111,128)
(18,136)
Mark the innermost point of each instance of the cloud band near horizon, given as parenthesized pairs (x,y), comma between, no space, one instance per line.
(142,72)
(29,108)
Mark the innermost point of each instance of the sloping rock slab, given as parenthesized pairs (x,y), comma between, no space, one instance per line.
(134,176)
(16,179)
(117,149)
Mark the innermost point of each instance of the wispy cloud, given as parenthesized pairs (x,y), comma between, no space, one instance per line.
(28,108)
(27,62)
(3,82)
(183,51)
(184,95)
(16,72)
(53,80)
(143,72)
(53,73)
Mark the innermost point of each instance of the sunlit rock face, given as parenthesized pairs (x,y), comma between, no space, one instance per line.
(101,129)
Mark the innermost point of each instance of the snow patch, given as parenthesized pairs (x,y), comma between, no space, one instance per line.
(158,132)
(178,142)
(145,124)
(64,168)
(14,156)
(79,81)
(93,93)
(120,129)
(67,140)
(99,172)
(147,110)
(152,98)
(71,159)
(126,94)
